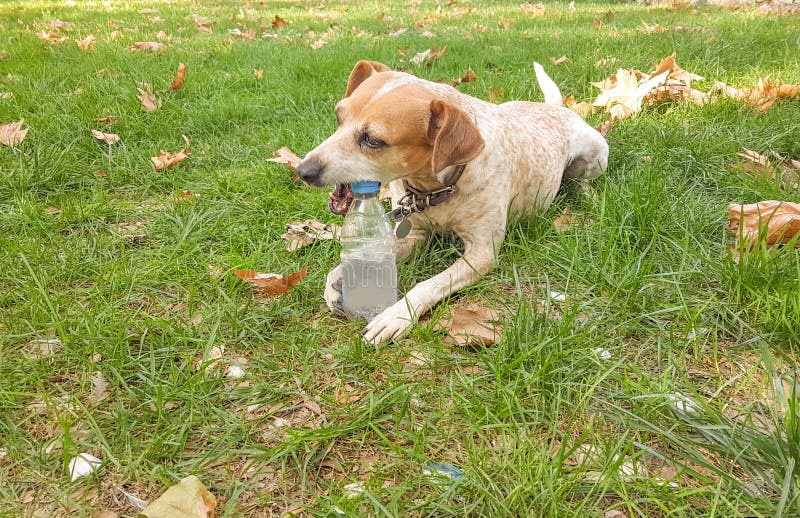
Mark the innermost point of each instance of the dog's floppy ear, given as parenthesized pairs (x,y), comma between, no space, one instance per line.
(455,138)
(361,71)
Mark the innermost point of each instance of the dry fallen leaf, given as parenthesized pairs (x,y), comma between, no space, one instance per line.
(623,93)
(11,133)
(108,119)
(166,160)
(108,138)
(785,170)
(259,73)
(536,10)
(201,23)
(288,158)
(163,36)
(468,77)
(428,55)
(271,283)
(581,108)
(86,43)
(148,46)
(560,61)
(51,37)
(779,219)
(605,127)
(99,388)
(302,233)
(279,23)
(148,98)
(471,325)
(180,77)
(188,499)
(568,220)
(762,96)
(247,34)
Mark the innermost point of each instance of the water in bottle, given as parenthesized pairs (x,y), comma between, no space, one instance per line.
(369,273)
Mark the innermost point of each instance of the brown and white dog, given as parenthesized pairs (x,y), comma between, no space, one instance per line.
(394,127)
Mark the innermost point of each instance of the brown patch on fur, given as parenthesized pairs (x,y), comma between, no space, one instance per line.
(362,71)
(454,137)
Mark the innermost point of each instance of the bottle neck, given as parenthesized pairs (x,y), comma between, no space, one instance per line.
(364,195)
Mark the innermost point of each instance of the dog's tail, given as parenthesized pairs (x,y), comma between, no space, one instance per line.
(552,95)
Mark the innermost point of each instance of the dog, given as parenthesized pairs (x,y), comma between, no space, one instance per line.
(453,163)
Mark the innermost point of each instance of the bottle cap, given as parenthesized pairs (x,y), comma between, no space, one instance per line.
(365,187)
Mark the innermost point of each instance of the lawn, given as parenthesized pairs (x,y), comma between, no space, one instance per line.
(641,369)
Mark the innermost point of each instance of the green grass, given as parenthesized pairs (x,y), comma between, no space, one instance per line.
(539,424)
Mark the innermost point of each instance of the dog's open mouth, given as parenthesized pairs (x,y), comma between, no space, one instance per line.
(341,198)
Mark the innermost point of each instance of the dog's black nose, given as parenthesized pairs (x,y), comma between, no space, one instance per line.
(310,170)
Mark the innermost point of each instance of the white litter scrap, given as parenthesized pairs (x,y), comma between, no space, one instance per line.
(682,404)
(82,465)
(354,490)
(556,296)
(420,57)
(603,354)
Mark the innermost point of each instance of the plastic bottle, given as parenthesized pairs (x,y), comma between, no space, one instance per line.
(369,272)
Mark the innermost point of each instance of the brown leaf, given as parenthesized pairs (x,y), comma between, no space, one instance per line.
(468,77)
(560,61)
(271,283)
(148,11)
(163,36)
(148,46)
(605,128)
(784,171)
(86,43)
(201,23)
(302,233)
(471,325)
(762,96)
(180,77)
(166,160)
(279,23)
(259,73)
(108,119)
(11,133)
(567,221)
(675,72)
(535,10)
(286,157)
(51,37)
(779,219)
(496,95)
(108,138)
(650,29)
(148,98)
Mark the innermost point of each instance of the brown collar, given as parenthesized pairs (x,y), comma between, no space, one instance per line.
(417,200)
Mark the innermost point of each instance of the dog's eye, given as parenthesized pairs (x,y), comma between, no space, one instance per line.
(372,142)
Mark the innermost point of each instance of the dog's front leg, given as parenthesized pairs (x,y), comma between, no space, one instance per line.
(397,319)
(333,282)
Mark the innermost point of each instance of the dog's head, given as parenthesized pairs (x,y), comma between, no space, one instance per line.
(389,126)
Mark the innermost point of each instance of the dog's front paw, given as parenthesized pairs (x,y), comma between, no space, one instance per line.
(333,291)
(394,322)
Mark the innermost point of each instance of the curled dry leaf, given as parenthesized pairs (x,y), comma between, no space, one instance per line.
(468,77)
(627,91)
(605,127)
(288,158)
(271,283)
(180,77)
(560,61)
(148,98)
(762,96)
(187,499)
(778,220)
(428,55)
(11,133)
(108,119)
(471,325)
(166,160)
(279,23)
(108,138)
(247,34)
(302,233)
(86,43)
(148,46)
(51,37)
(201,23)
